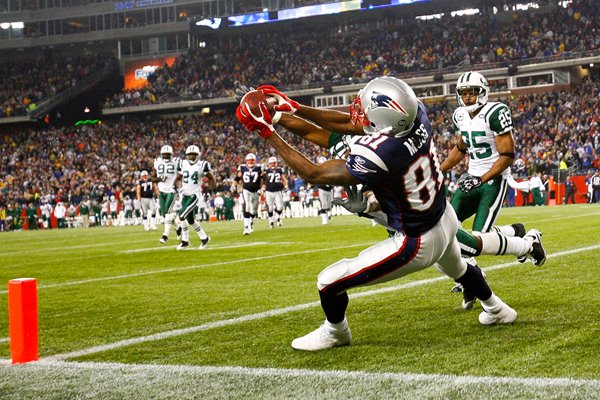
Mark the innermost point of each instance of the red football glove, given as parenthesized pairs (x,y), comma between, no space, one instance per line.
(262,123)
(284,103)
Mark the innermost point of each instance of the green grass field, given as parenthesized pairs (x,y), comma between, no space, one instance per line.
(123,317)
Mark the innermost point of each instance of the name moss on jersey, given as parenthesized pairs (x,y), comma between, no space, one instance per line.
(192,176)
(168,170)
(479,134)
(404,174)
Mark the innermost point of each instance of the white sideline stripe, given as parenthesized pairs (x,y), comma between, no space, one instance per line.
(567,217)
(275,312)
(161,271)
(83,246)
(211,247)
(335,374)
(4,340)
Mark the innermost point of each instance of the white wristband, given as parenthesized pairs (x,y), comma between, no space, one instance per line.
(276,117)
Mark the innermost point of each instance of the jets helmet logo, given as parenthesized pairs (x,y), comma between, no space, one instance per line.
(383,100)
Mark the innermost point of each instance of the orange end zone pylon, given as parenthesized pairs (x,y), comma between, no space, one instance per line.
(23,320)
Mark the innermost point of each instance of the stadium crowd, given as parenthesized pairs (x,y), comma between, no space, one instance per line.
(69,164)
(33,81)
(296,58)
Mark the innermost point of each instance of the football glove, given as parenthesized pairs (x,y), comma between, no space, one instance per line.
(284,103)
(355,202)
(261,124)
(468,182)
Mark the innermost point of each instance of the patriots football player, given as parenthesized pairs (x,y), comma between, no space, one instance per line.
(249,176)
(397,159)
(145,195)
(275,184)
(362,201)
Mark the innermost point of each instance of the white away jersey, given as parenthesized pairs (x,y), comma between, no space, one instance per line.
(168,170)
(479,134)
(192,176)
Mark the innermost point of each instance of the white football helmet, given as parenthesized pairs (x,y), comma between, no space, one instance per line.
(250,160)
(192,153)
(386,105)
(475,83)
(112,197)
(165,152)
(144,173)
(272,163)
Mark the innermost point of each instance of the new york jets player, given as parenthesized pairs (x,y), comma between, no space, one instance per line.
(484,133)
(190,173)
(165,168)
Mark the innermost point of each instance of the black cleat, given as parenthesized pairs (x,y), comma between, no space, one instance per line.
(537,253)
(204,242)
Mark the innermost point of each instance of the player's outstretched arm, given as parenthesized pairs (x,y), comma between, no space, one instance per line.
(331,120)
(305,129)
(332,172)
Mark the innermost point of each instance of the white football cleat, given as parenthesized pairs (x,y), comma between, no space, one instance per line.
(322,338)
(505,315)
(164,239)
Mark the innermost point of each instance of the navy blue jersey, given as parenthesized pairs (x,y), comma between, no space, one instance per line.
(404,174)
(250,177)
(146,189)
(273,179)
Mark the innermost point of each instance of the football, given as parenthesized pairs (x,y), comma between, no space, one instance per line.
(254,97)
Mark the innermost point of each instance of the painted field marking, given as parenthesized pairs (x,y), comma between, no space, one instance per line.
(210,247)
(275,312)
(334,375)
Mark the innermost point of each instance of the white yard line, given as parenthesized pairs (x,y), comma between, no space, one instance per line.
(62,248)
(4,340)
(275,312)
(339,374)
(210,247)
(191,267)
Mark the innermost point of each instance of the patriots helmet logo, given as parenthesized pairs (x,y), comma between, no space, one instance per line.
(383,100)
